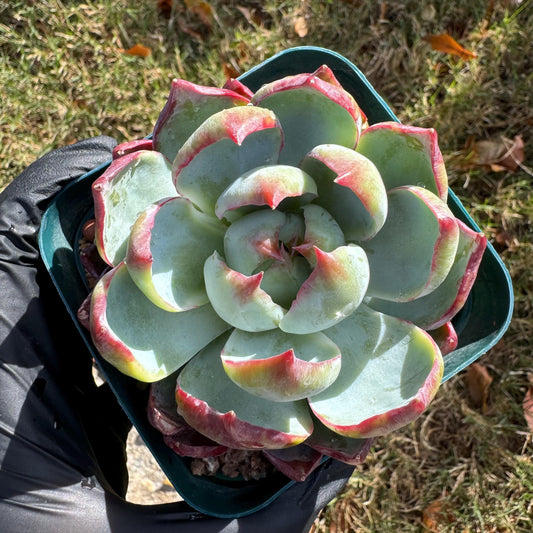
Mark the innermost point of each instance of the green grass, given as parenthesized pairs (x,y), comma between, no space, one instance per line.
(64,77)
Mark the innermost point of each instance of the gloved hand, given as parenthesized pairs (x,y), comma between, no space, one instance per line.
(62,438)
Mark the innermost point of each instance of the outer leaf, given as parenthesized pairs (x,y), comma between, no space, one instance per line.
(128,186)
(350,188)
(177,434)
(224,147)
(333,291)
(345,449)
(238,299)
(391,370)
(281,367)
(237,86)
(415,249)
(296,462)
(312,111)
(188,105)
(132,146)
(446,338)
(140,339)
(441,305)
(167,248)
(406,155)
(269,186)
(210,402)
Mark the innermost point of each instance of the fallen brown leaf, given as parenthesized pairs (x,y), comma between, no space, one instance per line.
(497,155)
(478,380)
(300,26)
(230,71)
(202,9)
(437,515)
(447,44)
(138,50)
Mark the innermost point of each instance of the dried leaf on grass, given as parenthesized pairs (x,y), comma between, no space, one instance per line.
(437,515)
(230,71)
(496,155)
(202,9)
(300,27)
(138,50)
(447,44)
(478,381)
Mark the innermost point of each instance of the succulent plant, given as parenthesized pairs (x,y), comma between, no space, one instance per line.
(283,272)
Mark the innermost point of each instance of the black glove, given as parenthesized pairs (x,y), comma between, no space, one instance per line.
(62,438)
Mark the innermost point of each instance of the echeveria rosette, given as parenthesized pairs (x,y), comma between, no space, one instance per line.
(276,263)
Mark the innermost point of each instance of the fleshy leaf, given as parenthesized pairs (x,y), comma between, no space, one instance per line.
(296,462)
(415,249)
(345,449)
(224,147)
(350,188)
(129,147)
(252,240)
(441,305)
(143,177)
(239,299)
(446,338)
(281,367)
(405,155)
(321,230)
(167,248)
(391,370)
(238,87)
(268,185)
(187,106)
(140,339)
(214,405)
(293,231)
(312,111)
(177,434)
(282,279)
(333,291)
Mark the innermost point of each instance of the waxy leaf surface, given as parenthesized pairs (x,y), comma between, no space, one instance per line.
(214,405)
(333,291)
(168,246)
(267,186)
(390,372)
(415,249)
(224,147)
(405,155)
(312,111)
(187,106)
(139,338)
(441,305)
(350,188)
(281,367)
(239,299)
(129,185)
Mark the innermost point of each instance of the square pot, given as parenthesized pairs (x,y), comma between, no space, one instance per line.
(479,325)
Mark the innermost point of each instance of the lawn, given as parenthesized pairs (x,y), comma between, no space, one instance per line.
(68,71)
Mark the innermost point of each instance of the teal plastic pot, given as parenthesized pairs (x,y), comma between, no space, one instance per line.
(480,324)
